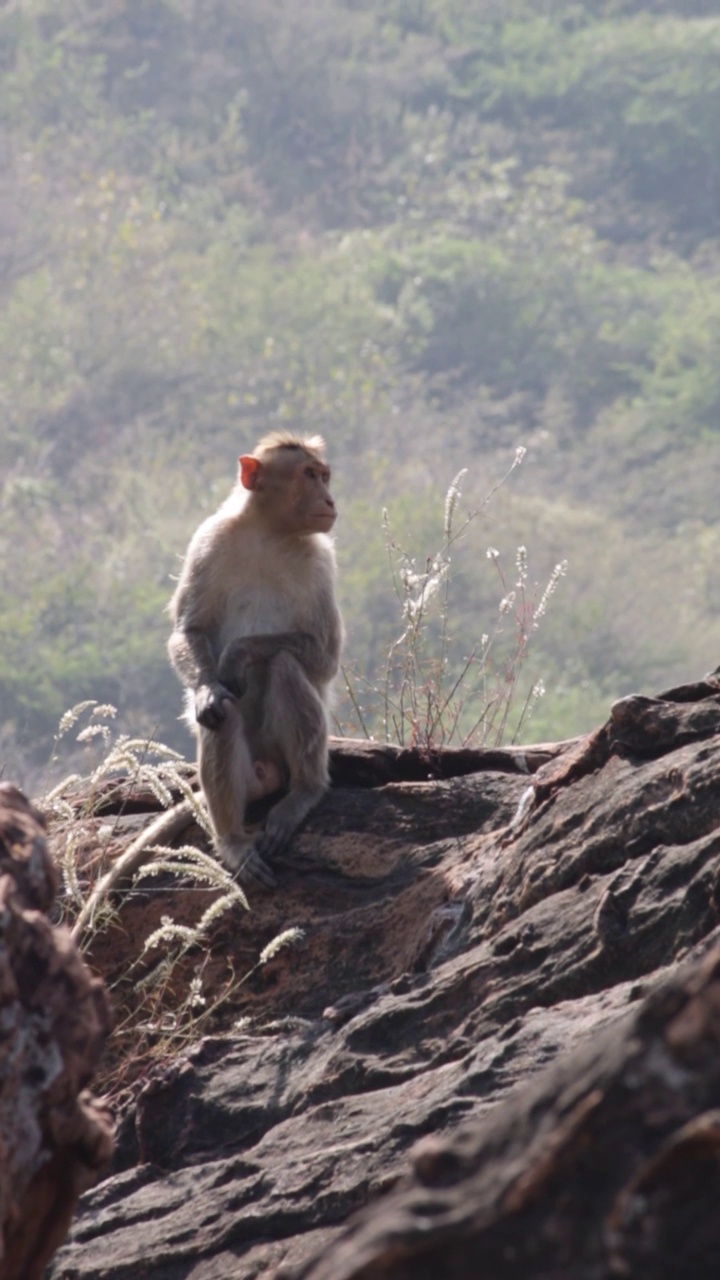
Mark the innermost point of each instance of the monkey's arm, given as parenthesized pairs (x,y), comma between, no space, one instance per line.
(316,647)
(193,610)
(192,656)
(318,658)
(193,646)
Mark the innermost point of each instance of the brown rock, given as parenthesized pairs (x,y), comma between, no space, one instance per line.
(55,1018)
(500,1041)
(608,1165)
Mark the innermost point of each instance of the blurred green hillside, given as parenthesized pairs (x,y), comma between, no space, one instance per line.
(433,230)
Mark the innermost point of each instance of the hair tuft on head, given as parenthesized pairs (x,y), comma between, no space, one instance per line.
(313,445)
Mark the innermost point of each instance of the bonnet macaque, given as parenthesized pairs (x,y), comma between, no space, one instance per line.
(256,641)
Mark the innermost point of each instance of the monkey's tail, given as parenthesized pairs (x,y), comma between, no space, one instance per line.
(166,827)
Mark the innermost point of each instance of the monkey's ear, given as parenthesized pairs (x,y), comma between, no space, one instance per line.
(249,471)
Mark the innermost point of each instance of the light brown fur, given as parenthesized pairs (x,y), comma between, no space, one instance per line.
(256,641)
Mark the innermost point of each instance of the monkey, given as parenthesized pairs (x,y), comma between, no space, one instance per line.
(257,636)
(256,641)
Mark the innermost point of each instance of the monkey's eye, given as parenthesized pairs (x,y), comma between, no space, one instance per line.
(311,473)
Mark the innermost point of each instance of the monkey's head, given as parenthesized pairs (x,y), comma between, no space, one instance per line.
(288,481)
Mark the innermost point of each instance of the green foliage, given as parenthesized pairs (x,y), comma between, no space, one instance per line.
(646,86)
(431,230)
(682,384)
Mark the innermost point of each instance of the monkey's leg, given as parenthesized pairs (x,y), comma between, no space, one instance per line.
(227,776)
(296,724)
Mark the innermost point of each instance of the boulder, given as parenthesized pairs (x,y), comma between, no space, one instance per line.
(496,1051)
(55,1018)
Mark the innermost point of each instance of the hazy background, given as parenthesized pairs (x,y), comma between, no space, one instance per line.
(433,230)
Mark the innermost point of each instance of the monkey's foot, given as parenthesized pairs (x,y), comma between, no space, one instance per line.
(242,858)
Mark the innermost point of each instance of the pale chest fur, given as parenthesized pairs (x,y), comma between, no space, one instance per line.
(273,586)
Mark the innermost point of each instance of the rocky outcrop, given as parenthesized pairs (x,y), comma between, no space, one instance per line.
(55,1018)
(608,1164)
(499,1042)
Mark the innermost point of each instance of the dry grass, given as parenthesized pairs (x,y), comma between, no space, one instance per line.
(428,698)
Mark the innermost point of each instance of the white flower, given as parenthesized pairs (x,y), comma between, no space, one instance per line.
(558,572)
(452,497)
(521,563)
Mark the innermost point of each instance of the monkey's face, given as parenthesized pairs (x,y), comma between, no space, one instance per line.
(292,490)
(313,506)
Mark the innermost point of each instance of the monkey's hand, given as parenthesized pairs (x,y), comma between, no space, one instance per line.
(209,704)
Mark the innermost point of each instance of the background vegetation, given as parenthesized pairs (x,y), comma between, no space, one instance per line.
(432,229)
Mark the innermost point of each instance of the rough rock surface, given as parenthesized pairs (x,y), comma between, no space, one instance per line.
(54,1018)
(522,971)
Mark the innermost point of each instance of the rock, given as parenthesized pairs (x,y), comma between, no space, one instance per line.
(55,1018)
(499,1041)
(356,762)
(608,1164)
